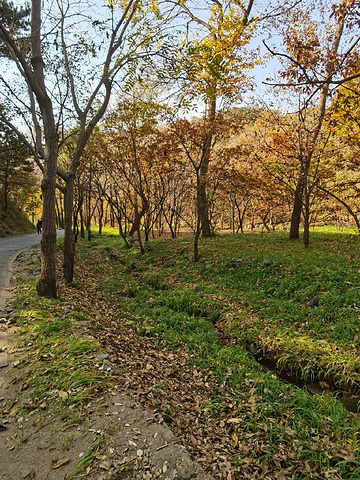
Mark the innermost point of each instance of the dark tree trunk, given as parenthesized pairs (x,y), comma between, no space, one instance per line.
(6,187)
(60,213)
(82,227)
(297,209)
(306,234)
(203,202)
(69,238)
(101,214)
(197,232)
(46,286)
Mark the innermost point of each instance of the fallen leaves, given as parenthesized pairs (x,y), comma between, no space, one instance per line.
(229,437)
(60,463)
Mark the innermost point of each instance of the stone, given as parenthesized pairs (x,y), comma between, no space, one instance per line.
(124,299)
(268,262)
(102,356)
(313,303)
(3,359)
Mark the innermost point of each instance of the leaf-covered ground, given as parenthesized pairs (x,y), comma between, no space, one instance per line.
(186,338)
(64,413)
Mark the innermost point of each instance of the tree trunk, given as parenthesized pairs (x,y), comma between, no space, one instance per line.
(69,237)
(306,234)
(6,184)
(82,227)
(297,208)
(203,203)
(46,286)
(197,232)
(59,213)
(101,214)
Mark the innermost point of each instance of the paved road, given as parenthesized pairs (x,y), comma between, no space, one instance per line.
(9,247)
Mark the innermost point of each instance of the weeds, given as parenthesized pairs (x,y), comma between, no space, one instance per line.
(86,461)
(62,370)
(243,304)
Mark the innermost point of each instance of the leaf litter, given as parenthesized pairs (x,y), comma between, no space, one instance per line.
(176,394)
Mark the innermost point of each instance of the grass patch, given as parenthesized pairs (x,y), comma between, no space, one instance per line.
(231,306)
(62,371)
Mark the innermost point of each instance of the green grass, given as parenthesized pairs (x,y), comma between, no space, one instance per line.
(62,369)
(262,309)
(257,304)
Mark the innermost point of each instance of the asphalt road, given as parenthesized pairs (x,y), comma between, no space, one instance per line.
(9,248)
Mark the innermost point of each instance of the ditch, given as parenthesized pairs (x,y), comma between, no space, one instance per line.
(350,402)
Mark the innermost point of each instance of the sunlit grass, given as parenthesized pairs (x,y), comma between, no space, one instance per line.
(61,366)
(263,311)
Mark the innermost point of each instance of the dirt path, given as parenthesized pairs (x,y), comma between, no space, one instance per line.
(113,437)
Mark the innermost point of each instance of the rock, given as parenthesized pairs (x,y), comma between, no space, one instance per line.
(197,289)
(124,299)
(237,262)
(268,262)
(314,302)
(66,308)
(102,356)
(3,360)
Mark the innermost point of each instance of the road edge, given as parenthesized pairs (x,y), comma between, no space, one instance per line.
(5,280)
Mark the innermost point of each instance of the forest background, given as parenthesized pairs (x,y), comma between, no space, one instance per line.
(141,116)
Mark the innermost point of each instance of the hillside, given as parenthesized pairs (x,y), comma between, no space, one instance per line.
(14,222)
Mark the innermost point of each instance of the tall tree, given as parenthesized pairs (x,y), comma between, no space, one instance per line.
(215,69)
(75,55)
(312,62)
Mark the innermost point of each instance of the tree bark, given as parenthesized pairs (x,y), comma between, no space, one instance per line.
(203,203)
(46,286)
(297,208)
(306,234)
(69,237)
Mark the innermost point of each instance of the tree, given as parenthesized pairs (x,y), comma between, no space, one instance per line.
(133,152)
(215,68)
(312,61)
(16,169)
(189,136)
(68,80)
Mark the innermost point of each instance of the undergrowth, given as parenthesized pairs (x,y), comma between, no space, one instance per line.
(61,367)
(232,308)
